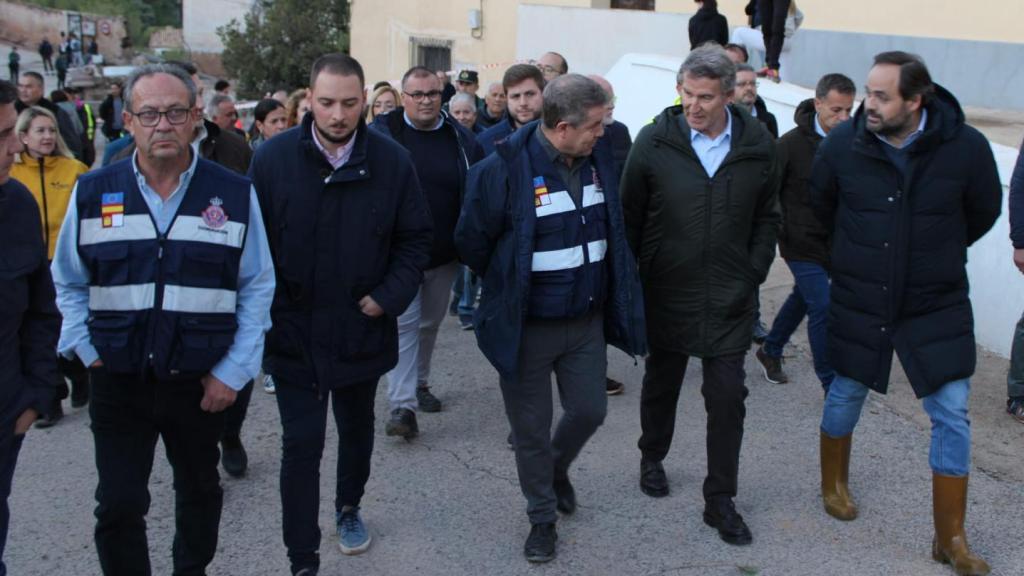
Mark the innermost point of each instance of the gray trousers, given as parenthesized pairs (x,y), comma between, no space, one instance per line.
(575,351)
(1015,378)
(417,332)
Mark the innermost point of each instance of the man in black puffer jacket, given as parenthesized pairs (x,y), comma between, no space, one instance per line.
(905,188)
(803,240)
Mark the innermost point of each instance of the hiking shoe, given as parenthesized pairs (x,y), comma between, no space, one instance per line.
(1015,408)
(268,384)
(613,387)
(353,538)
(771,367)
(540,544)
(402,423)
(427,401)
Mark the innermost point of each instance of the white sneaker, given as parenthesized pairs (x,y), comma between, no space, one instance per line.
(268,384)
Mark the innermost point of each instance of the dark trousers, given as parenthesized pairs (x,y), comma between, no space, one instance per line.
(47,64)
(13,70)
(128,415)
(10,445)
(773,28)
(75,371)
(724,393)
(234,416)
(1015,376)
(304,420)
(575,351)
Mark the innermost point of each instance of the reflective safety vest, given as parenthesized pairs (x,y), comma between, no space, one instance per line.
(164,301)
(568,274)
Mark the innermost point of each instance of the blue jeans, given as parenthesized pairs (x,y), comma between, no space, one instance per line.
(950,453)
(470,286)
(810,297)
(1015,377)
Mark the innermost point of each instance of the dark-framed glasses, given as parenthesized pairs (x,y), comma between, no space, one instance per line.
(421,96)
(150,118)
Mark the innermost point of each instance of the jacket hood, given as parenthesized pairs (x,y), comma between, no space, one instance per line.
(945,118)
(804,116)
(667,126)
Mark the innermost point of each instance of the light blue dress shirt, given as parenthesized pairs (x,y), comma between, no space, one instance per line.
(255,283)
(711,152)
(818,128)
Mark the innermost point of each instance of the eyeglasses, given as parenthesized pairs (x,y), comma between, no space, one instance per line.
(421,96)
(150,118)
(548,69)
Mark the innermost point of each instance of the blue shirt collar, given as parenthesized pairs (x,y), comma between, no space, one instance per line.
(817,127)
(726,134)
(913,135)
(440,122)
(183,179)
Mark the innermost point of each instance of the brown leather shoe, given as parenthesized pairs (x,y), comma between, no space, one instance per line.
(835,477)
(949,505)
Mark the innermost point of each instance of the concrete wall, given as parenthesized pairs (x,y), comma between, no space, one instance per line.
(592,40)
(986,74)
(645,84)
(27,25)
(201,18)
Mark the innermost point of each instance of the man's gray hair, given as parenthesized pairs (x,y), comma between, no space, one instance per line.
(152,70)
(462,97)
(745,68)
(213,108)
(569,97)
(709,62)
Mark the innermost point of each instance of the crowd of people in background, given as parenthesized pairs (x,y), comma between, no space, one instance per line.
(319,249)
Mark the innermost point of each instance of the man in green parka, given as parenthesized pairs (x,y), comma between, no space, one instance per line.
(700,199)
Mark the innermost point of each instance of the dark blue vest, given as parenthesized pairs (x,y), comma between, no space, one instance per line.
(569,276)
(165,301)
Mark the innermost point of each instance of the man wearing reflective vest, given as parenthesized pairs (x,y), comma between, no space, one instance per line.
(164,279)
(542,225)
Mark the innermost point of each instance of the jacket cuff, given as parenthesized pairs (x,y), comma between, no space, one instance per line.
(40,399)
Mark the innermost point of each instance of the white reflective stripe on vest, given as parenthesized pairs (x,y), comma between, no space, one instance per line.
(554,203)
(122,298)
(133,227)
(199,300)
(195,229)
(565,259)
(592,195)
(597,249)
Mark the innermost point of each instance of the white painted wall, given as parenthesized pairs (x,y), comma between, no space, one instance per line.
(645,84)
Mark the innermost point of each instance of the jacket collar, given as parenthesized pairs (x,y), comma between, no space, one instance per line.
(354,169)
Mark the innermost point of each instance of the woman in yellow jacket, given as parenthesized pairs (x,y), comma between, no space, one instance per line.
(46,167)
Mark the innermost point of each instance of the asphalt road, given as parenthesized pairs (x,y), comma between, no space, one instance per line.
(448,503)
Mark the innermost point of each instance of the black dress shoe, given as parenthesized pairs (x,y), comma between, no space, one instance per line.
(233,457)
(565,495)
(540,544)
(56,415)
(653,481)
(721,514)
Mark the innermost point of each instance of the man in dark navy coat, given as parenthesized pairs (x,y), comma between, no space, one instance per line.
(904,189)
(350,234)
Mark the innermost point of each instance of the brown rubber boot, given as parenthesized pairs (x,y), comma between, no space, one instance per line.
(949,503)
(835,477)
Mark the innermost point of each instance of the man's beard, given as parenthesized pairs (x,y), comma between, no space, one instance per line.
(333,139)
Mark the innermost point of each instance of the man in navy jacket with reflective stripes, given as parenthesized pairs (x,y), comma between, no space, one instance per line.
(164,279)
(542,225)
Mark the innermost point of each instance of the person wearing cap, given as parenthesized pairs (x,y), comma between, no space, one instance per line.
(468,81)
